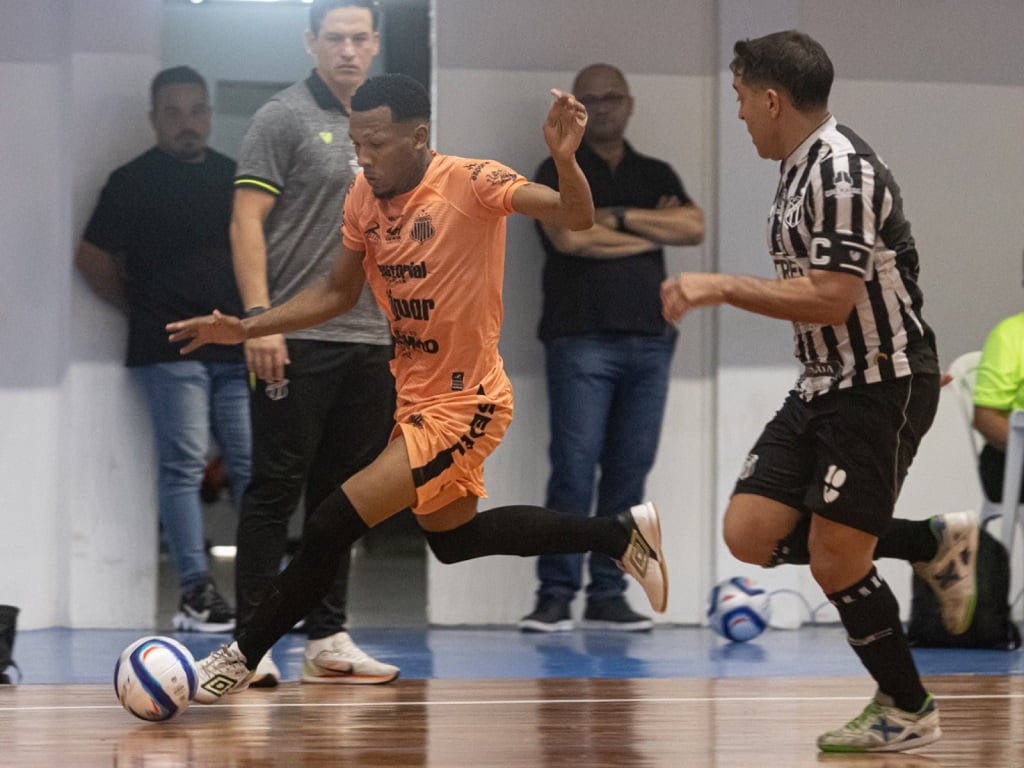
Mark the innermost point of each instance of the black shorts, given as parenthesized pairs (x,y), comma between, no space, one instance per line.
(843,455)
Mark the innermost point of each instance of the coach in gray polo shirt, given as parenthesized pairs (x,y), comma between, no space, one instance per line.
(323,398)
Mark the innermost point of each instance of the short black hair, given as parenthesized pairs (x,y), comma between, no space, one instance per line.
(406,97)
(789,60)
(174,76)
(321,8)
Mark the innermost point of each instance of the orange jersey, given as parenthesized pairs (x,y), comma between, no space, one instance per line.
(435,260)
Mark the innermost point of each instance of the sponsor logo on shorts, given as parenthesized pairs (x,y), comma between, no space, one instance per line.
(276,390)
(835,479)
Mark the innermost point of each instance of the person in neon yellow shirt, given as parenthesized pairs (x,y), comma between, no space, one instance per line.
(998,391)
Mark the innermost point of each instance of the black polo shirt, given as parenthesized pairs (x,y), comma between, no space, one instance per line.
(584,295)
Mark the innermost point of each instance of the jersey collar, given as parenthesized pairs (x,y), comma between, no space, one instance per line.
(322,94)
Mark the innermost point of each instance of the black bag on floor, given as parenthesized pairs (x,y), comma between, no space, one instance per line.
(8,620)
(992,626)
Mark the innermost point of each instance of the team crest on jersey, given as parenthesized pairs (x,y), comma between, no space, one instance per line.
(422,228)
(793,207)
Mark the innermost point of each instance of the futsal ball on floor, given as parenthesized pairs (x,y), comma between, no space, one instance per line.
(155,678)
(738,609)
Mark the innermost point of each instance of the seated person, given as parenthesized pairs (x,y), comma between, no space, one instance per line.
(999,389)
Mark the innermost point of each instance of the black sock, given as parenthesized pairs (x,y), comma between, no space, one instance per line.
(793,550)
(332,528)
(527,531)
(910,540)
(871,616)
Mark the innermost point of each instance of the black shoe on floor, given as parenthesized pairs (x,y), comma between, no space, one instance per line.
(551,615)
(616,614)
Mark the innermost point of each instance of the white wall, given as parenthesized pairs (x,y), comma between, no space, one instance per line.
(76,478)
(79,543)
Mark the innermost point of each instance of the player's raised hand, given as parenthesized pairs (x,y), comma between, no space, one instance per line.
(217,328)
(567,120)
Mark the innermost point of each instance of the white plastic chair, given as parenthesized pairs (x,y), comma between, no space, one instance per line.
(964,372)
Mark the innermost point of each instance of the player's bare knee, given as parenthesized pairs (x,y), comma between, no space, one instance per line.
(744,547)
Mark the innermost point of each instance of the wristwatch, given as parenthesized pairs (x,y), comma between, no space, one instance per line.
(253,311)
(619,212)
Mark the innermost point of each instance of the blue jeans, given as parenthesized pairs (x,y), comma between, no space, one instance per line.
(188,401)
(607,395)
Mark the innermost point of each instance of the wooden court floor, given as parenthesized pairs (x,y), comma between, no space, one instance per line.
(580,722)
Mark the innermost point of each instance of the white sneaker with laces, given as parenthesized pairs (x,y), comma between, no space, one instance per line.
(223,671)
(643,558)
(337,659)
(267,674)
(952,574)
(881,727)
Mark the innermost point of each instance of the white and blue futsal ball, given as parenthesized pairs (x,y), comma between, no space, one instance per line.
(738,609)
(155,678)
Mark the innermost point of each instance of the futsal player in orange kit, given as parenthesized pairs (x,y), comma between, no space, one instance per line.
(428,233)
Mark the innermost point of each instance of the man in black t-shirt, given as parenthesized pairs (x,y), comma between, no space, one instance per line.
(608,350)
(157,247)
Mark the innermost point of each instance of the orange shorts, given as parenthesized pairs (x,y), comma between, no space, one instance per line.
(448,439)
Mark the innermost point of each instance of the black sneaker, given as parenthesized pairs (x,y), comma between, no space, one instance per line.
(551,615)
(204,610)
(615,613)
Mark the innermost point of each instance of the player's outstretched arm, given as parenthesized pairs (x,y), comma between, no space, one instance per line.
(334,295)
(571,206)
(821,297)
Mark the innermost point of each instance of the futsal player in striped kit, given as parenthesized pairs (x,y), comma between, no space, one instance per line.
(427,232)
(821,483)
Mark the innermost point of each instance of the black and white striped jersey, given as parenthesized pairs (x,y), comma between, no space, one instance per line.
(838,208)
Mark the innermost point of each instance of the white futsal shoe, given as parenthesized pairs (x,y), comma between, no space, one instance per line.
(337,659)
(220,673)
(881,727)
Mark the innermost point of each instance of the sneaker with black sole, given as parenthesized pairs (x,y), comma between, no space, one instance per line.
(952,573)
(615,614)
(221,673)
(643,558)
(266,674)
(881,727)
(203,609)
(337,659)
(550,615)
